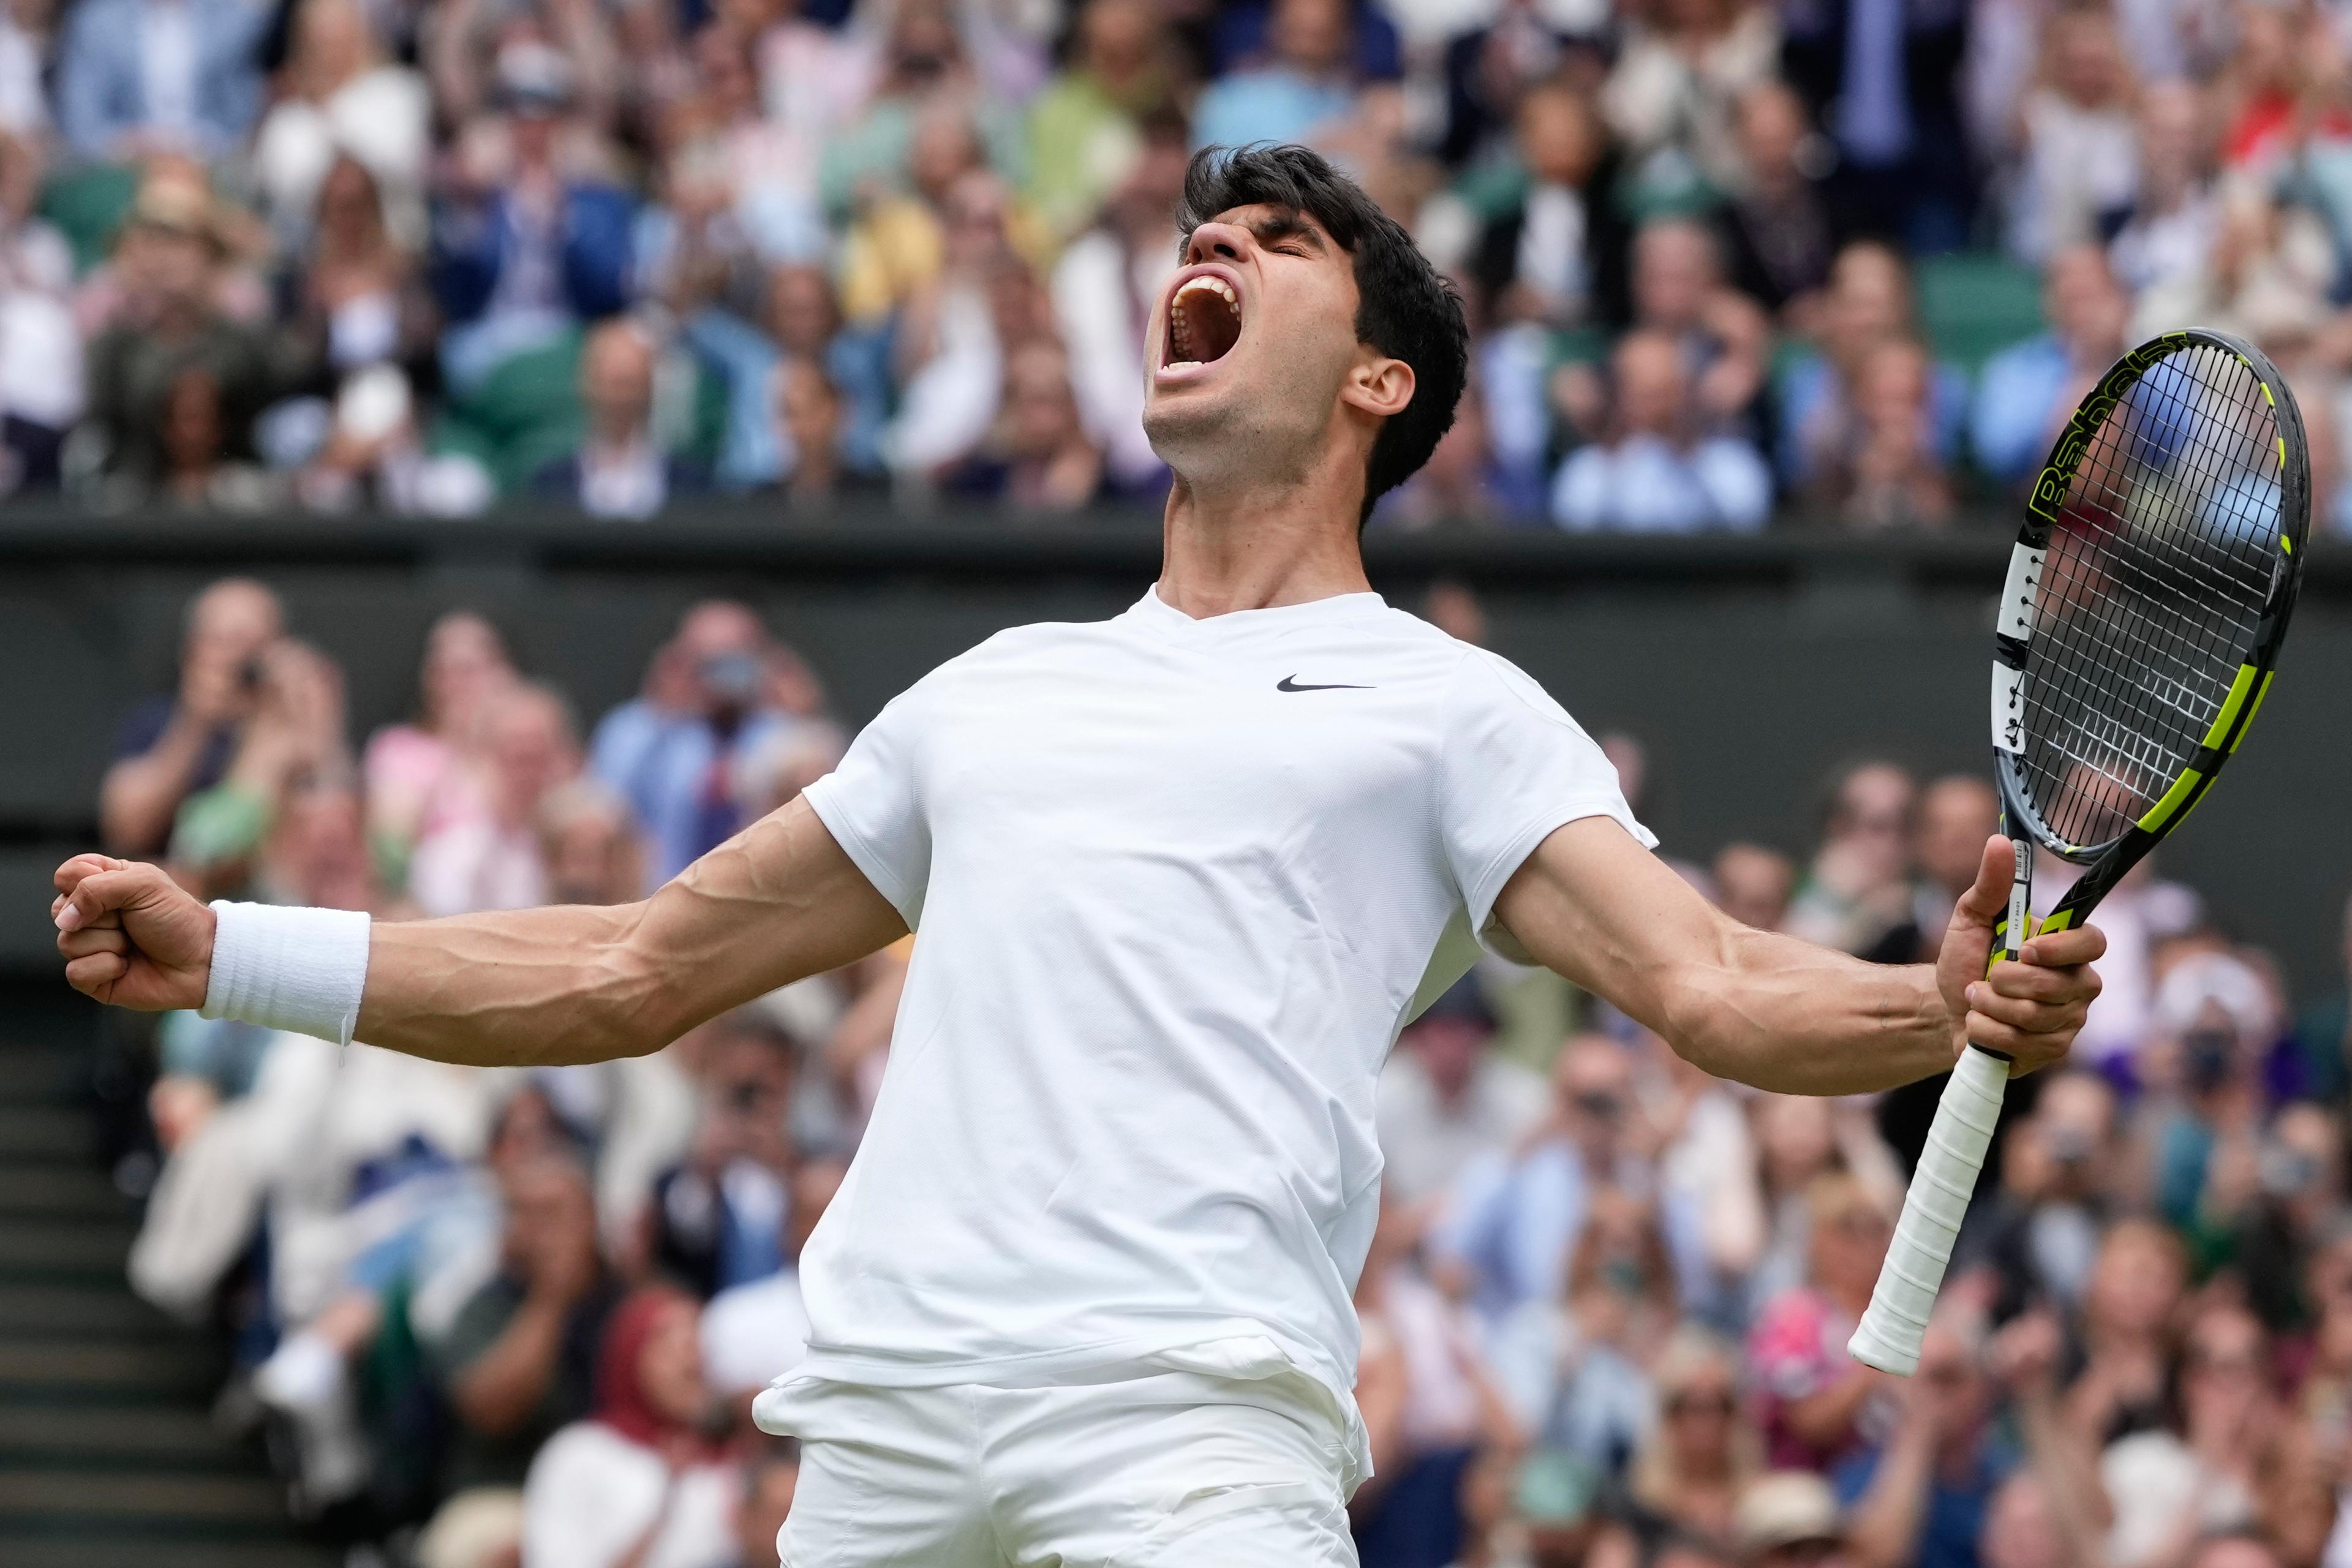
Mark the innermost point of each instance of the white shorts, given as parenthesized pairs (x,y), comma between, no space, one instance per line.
(1160,1471)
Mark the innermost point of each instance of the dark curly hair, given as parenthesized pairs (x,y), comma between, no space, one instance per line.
(1405,309)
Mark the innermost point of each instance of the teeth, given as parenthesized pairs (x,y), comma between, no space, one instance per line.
(1213,286)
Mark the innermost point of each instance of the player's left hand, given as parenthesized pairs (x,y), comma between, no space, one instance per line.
(2029,1011)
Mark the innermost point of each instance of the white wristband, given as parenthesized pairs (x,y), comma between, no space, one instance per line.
(288,968)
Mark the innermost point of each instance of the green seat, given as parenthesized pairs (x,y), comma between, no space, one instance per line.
(85,205)
(523,416)
(1973,306)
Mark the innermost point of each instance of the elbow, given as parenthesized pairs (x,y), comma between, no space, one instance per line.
(1700,1021)
(638,1012)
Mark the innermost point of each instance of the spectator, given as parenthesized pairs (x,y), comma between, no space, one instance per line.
(638,1484)
(1039,458)
(953,336)
(2323,1032)
(669,752)
(170,748)
(1698,1457)
(1304,89)
(139,77)
(1778,216)
(1463,482)
(718,1219)
(415,772)
(1516,1214)
(1822,418)
(519,1360)
(1678,291)
(1431,1401)
(2075,134)
(343,102)
(2028,392)
(2172,1484)
(490,857)
(620,470)
(1885,89)
(1546,258)
(1086,122)
(170,323)
(42,393)
(1753,884)
(2174,212)
(1814,1399)
(1923,1496)
(1789,1519)
(1656,474)
(1575,1371)
(1446,1095)
(1883,469)
(755,1333)
(294,736)
(809,420)
(2064,1174)
(1956,815)
(804,333)
(590,844)
(1105,287)
(523,249)
(1672,94)
(1856,890)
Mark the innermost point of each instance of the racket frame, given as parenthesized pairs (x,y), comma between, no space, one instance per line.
(2106,863)
(1889,1334)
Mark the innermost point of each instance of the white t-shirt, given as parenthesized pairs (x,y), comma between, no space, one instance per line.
(1179,885)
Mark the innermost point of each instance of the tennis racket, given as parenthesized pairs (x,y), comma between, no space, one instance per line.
(2146,598)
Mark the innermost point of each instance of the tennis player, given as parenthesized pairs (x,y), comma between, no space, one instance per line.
(1181,877)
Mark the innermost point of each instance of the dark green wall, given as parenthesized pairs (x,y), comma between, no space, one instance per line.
(1750,667)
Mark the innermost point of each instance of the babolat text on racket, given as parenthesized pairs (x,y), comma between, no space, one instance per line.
(2147,599)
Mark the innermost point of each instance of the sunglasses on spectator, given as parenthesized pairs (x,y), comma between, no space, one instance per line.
(1701,1402)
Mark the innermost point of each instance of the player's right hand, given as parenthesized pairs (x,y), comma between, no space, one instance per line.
(130,936)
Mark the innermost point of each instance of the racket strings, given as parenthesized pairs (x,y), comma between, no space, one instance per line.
(2153,582)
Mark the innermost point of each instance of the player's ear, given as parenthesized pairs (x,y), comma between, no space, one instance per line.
(1378,385)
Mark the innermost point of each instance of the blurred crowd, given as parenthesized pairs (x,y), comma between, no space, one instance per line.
(1856,258)
(491,1318)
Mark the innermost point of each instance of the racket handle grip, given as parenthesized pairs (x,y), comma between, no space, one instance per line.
(1891,1331)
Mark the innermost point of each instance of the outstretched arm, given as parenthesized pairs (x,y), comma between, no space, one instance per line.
(1782,1014)
(566,984)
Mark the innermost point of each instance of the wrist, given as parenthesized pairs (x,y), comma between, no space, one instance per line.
(297,969)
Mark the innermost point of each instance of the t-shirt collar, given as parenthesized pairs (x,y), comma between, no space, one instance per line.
(1157,612)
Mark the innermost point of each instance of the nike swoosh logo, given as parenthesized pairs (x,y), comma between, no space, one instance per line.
(1290,683)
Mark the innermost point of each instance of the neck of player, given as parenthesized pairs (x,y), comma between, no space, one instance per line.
(1256,545)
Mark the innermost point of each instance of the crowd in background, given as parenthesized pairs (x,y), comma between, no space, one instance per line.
(491,1318)
(1856,260)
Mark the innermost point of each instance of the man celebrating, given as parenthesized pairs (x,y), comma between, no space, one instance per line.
(1182,877)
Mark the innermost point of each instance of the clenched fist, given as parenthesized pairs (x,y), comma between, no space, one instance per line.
(2029,1011)
(130,936)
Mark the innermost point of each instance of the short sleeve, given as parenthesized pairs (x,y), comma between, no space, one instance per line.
(1514,766)
(873,806)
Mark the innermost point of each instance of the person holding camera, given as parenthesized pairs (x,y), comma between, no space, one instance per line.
(717,692)
(170,747)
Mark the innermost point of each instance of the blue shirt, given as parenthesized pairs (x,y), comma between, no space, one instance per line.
(661,763)
(1954,1521)
(2017,398)
(1266,106)
(1515,1221)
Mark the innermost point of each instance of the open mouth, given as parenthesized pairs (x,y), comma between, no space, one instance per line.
(1204,322)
